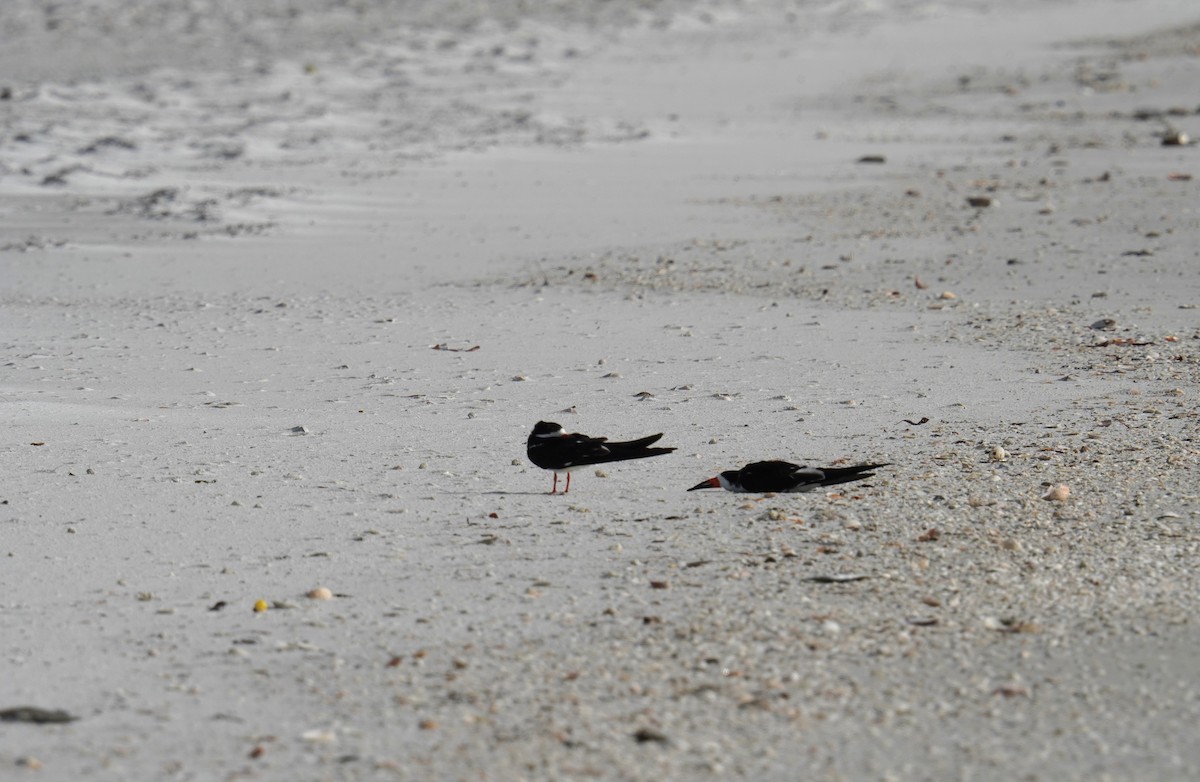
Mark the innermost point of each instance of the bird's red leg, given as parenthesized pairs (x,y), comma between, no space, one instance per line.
(555,489)
(568,484)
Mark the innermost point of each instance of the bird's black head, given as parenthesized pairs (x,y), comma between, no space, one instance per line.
(542,428)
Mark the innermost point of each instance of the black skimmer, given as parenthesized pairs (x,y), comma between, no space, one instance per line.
(763,477)
(550,448)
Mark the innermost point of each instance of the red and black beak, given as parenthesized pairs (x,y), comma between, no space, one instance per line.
(711,483)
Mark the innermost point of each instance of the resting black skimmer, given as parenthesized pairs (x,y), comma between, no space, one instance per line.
(550,448)
(763,477)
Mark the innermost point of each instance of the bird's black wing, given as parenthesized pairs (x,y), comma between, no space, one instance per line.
(567,450)
(835,475)
(778,476)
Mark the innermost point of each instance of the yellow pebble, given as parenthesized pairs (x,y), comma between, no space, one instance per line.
(260,606)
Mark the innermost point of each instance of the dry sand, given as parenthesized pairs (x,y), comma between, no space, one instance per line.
(228,249)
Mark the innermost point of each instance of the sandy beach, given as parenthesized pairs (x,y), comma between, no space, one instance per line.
(286,287)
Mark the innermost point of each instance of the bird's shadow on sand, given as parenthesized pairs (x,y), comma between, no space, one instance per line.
(519,493)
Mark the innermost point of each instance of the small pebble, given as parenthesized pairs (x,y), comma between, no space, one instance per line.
(320,593)
(1175,138)
(646,735)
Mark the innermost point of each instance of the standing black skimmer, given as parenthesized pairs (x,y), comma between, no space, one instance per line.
(763,477)
(550,448)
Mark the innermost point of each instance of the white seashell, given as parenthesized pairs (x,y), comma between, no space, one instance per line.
(1057,493)
(318,736)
